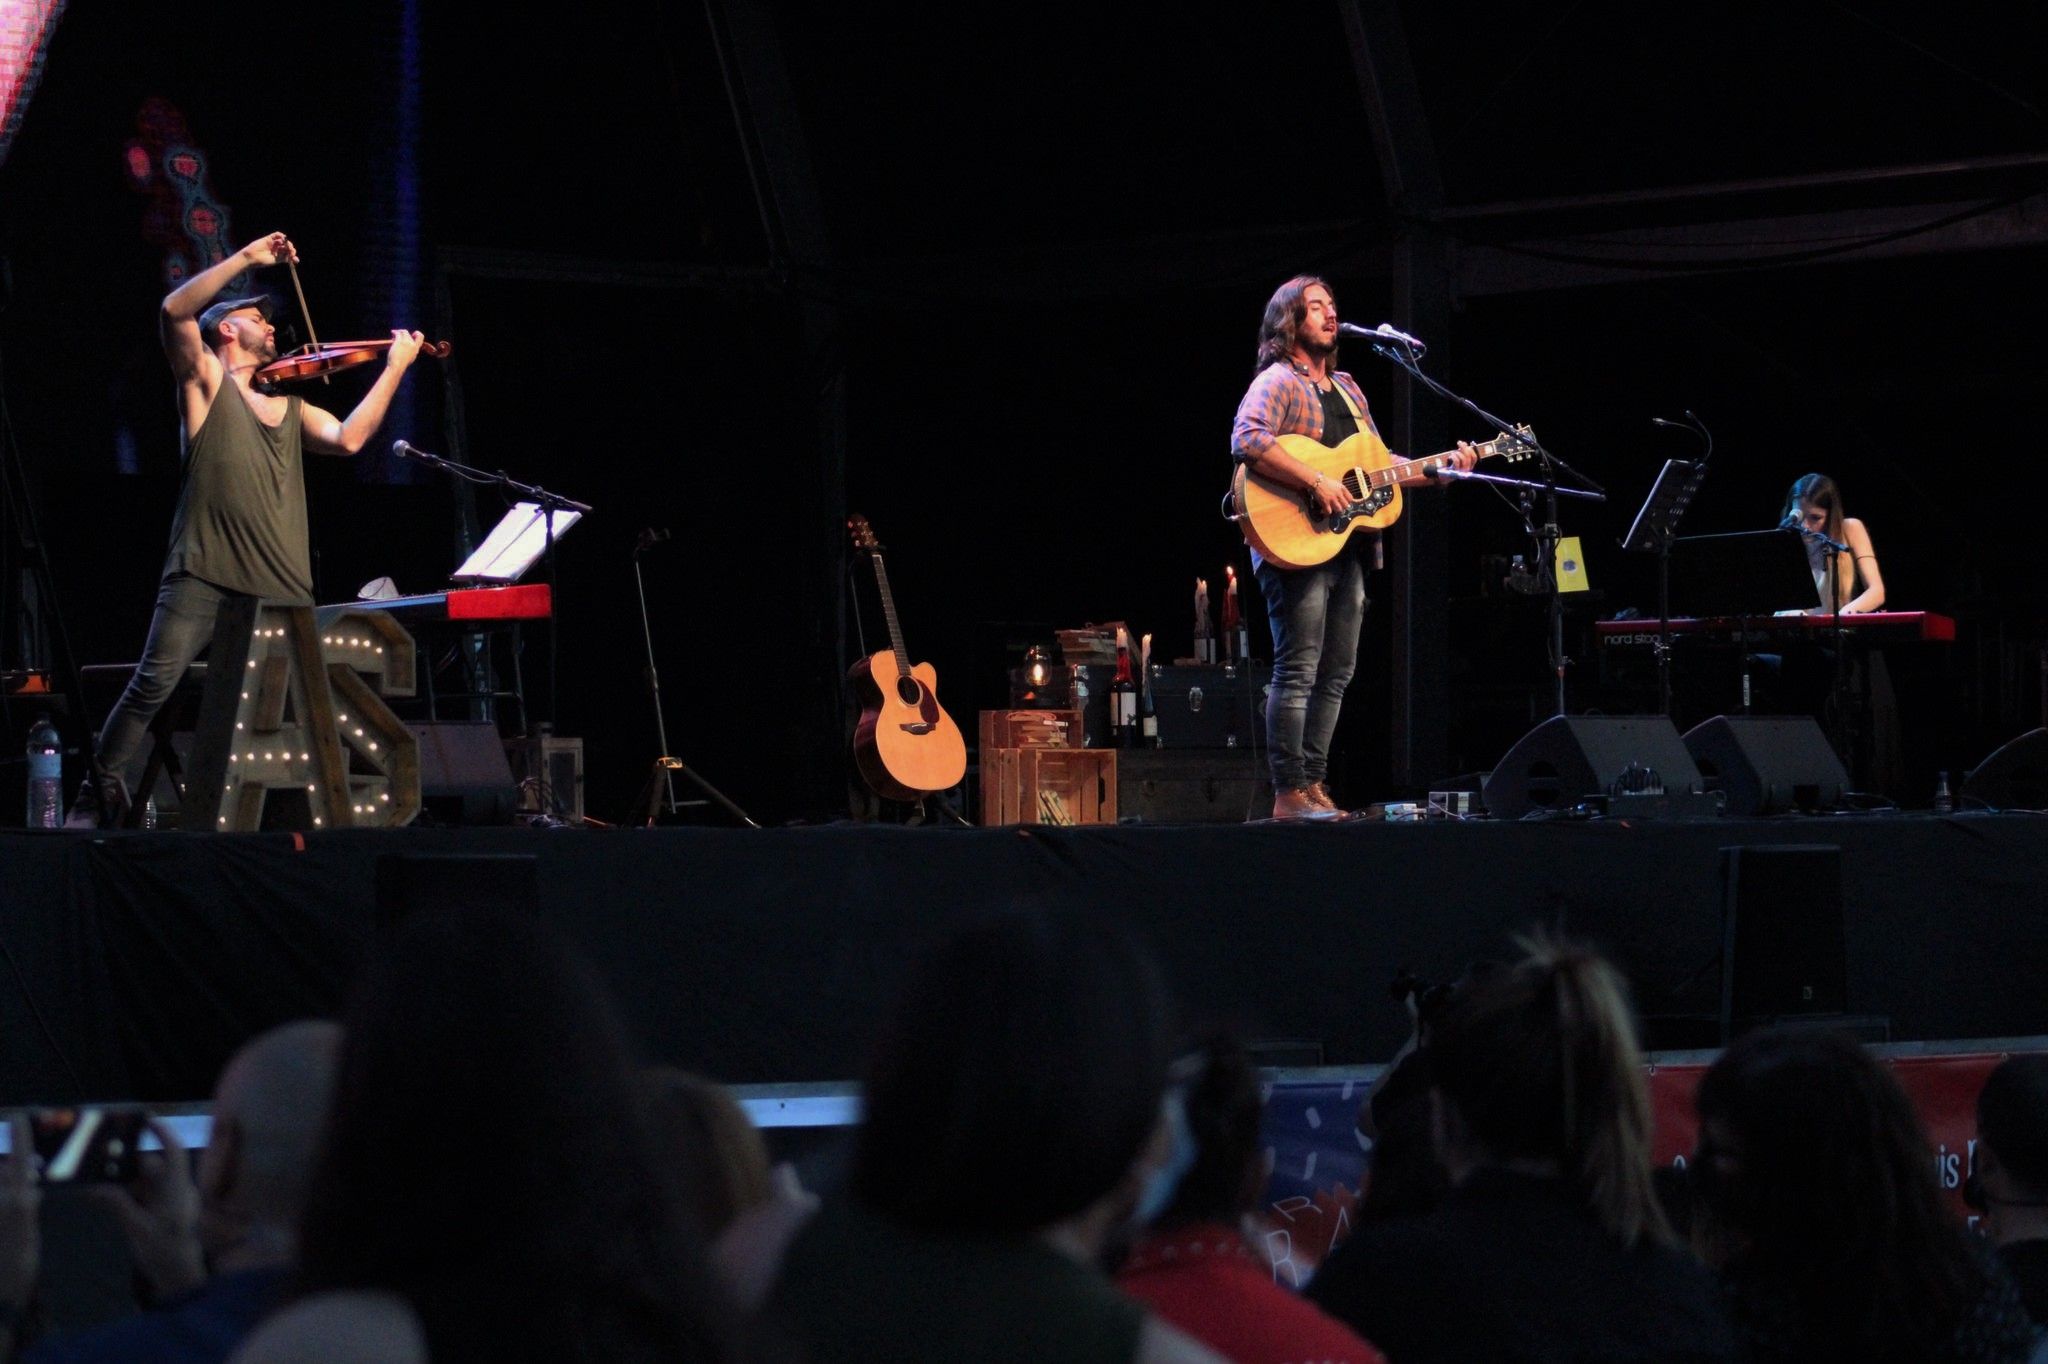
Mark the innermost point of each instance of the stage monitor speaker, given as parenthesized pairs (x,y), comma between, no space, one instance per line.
(2015,777)
(1768,764)
(1783,952)
(1568,758)
(465,777)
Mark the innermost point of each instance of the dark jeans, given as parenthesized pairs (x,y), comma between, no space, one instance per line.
(181,628)
(1315,614)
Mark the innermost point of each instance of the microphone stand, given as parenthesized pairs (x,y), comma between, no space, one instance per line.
(666,766)
(648,538)
(1846,734)
(1548,535)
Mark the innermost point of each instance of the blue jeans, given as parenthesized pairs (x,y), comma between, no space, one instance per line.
(1315,614)
(181,628)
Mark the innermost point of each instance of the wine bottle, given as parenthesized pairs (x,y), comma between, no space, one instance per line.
(1123,695)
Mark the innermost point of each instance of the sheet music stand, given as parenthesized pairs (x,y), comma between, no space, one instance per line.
(1653,530)
(519,539)
(1744,575)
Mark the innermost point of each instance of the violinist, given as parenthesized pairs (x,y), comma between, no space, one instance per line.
(240,524)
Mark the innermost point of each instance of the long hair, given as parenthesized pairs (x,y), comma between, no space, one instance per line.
(1017,1077)
(1817,490)
(488,1160)
(1222,1105)
(1830,1194)
(1540,1061)
(1280,330)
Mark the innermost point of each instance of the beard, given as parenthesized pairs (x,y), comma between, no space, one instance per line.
(1315,345)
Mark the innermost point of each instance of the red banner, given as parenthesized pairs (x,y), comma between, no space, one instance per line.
(1318,1160)
(1943,1090)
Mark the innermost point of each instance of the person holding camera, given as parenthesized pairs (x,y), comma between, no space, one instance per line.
(212,1245)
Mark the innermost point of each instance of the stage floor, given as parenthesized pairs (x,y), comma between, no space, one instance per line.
(137,962)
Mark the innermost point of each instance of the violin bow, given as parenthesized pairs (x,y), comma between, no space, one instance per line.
(312,336)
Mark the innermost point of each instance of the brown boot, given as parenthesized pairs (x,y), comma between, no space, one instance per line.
(1295,802)
(1320,794)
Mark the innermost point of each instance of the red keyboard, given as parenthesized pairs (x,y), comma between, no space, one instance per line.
(1875,626)
(467,605)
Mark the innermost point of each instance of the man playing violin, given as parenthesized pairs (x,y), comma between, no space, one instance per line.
(240,525)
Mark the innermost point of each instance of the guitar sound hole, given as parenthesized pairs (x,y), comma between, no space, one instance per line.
(908,691)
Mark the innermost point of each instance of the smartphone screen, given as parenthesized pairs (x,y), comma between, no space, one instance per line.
(87,1145)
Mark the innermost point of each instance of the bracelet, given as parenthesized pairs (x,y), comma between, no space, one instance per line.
(1317,484)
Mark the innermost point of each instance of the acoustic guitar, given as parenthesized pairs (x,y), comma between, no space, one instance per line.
(1283,524)
(904,744)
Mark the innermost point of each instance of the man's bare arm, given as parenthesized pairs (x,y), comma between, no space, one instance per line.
(178,322)
(329,435)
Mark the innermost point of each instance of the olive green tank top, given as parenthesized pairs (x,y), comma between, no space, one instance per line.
(241,520)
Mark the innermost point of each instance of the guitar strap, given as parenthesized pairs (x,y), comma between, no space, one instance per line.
(1379,544)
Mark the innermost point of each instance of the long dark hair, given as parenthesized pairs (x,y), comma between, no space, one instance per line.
(1818,490)
(1025,1061)
(1280,330)
(488,1159)
(1827,1192)
(1540,1060)
(1222,1105)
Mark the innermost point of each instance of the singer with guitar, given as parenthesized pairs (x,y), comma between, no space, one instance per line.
(1315,611)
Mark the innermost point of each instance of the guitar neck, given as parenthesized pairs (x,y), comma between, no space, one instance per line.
(889,614)
(1416,470)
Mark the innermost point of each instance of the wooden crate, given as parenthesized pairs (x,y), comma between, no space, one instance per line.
(1030,729)
(1048,786)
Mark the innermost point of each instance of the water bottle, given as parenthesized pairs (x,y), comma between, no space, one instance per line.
(45,776)
(1943,803)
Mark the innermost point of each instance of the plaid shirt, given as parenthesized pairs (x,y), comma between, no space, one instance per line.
(1282,402)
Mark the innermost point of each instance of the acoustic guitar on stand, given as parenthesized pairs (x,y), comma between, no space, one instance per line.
(904,743)
(1282,523)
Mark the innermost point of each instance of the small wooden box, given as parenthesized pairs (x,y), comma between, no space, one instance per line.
(1048,786)
(1030,729)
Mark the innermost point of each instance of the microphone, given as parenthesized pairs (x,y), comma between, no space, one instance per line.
(400,450)
(1385,332)
(1791,521)
(649,538)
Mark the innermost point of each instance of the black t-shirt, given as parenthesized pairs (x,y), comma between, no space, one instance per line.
(1338,423)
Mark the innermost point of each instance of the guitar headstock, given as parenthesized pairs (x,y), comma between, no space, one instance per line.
(863,533)
(1513,446)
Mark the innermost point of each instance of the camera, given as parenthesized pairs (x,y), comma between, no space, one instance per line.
(87,1145)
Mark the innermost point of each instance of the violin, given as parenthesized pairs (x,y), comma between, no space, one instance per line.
(311,362)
